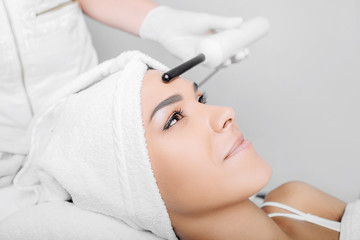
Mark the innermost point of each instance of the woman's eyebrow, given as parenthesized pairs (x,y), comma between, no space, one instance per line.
(196,87)
(170,100)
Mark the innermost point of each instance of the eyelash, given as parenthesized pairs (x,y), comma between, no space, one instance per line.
(178,114)
(203,98)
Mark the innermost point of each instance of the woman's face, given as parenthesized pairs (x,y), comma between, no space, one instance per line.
(199,156)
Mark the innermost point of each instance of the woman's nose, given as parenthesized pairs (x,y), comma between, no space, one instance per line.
(221,118)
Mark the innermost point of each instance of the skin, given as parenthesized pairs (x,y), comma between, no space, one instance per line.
(307,199)
(199,141)
(206,193)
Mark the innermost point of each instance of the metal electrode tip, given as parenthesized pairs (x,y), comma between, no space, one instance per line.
(165,78)
(177,71)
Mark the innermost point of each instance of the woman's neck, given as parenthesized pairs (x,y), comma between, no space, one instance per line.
(241,221)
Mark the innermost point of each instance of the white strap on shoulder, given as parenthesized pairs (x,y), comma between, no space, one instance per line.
(299,215)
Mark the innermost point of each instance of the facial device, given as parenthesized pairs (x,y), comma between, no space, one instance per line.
(218,48)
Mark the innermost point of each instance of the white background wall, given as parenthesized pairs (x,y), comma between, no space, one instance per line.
(297,96)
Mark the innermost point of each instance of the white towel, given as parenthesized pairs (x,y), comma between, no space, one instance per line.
(65,221)
(90,146)
(350,222)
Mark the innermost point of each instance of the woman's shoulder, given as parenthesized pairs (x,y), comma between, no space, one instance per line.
(308,199)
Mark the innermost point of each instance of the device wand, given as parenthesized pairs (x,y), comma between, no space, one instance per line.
(177,71)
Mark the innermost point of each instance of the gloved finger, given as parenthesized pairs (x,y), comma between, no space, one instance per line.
(6,181)
(222,23)
(240,56)
(225,64)
(11,165)
(182,47)
(236,58)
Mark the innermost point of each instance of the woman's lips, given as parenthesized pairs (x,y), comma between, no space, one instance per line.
(239,145)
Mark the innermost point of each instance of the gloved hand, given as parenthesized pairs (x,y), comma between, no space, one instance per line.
(9,166)
(180,32)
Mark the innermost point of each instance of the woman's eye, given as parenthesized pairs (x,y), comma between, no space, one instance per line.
(202,99)
(174,118)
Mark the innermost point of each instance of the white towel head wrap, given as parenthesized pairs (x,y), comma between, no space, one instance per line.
(90,145)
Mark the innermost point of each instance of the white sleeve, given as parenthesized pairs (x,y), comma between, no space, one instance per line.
(350,222)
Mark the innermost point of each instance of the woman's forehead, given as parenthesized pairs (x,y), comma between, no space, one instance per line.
(153,84)
(154,90)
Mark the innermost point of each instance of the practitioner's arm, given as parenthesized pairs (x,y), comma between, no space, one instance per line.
(126,15)
(178,31)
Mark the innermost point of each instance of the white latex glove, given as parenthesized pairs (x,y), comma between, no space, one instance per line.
(10,164)
(180,32)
